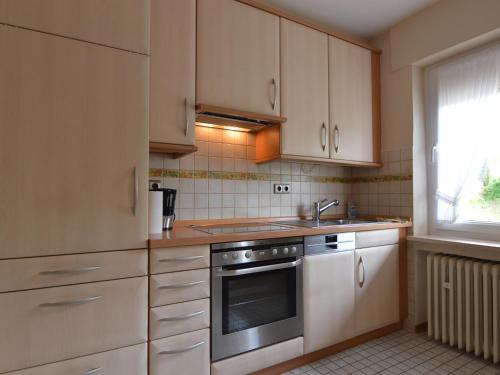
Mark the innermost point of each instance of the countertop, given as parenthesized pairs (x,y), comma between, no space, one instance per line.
(183,235)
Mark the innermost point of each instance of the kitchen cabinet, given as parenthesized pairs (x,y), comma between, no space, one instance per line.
(351,121)
(238,57)
(172,79)
(377,287)
(73,146)
(328,299)
(304,90)
(116,23)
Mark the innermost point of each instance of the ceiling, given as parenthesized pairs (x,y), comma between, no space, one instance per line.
(363,18)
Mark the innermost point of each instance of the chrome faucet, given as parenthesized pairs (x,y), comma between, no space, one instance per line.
(321,206)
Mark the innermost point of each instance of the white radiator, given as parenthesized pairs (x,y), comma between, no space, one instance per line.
(463,304)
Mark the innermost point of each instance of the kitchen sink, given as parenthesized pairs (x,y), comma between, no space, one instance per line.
(325,223)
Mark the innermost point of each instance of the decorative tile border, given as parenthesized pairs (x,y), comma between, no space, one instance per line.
(257,176)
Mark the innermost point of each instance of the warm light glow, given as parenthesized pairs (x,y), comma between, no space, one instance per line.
(226,127)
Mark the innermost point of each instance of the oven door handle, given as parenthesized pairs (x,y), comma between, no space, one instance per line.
(220,272)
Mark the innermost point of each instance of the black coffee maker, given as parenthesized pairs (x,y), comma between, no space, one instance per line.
(168,208)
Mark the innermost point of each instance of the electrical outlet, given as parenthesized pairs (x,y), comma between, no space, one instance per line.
(282,189)
(154,184)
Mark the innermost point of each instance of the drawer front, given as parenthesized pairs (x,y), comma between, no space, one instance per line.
(179,258)
(31,273)
(179,318)
(175,287)
(49,325)
(186,354)
(132,360)
(377,238)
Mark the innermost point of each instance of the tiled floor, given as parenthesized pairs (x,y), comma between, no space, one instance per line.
(399,353)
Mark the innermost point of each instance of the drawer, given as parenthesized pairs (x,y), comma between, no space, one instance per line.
(42,272)
(179,318)
(132,360)
(377,238)
(177,287)
(49,325)
(186,354)
(179,258)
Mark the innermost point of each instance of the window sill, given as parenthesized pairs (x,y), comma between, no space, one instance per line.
(487,250)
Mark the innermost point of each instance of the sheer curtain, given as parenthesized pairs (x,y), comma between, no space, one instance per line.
(463,115)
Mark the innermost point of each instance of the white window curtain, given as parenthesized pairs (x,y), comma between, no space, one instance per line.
(463,115)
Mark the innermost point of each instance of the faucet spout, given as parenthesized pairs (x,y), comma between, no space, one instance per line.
(321,206)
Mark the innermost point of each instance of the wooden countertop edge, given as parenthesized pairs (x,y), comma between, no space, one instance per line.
(185,236)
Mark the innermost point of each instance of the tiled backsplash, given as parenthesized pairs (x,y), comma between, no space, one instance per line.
(222,180)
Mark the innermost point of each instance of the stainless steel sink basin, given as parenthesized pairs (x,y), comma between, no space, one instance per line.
(325,223)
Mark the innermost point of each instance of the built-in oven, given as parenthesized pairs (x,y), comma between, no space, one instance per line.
(256,294)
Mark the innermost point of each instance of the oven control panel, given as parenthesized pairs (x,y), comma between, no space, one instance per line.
(246,254)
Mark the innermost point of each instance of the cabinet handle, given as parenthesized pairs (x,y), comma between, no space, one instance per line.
(179,286)
(175,351)
(93,371)
(181,317)
(362,281)
(136,192)
(71,302)
(70,270)
(323,136)
(336,138)
(186,129)
(181,259)
(275,93)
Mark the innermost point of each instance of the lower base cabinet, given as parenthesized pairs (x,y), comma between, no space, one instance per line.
(186,354)
(132,360)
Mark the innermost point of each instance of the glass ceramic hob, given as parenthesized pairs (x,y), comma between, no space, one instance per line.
(241,228)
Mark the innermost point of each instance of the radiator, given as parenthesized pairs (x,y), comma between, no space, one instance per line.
(463,303)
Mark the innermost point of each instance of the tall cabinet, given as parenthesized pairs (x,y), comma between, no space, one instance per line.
(172,83)
(304,88)
(237,57)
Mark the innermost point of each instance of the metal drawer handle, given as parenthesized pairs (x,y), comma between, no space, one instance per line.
(71,302)
(181,317)
(70,270)
(362,281)
(175,351)
(93,371)
(178,286)
(181,259)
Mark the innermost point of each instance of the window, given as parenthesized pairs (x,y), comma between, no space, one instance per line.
(463,142)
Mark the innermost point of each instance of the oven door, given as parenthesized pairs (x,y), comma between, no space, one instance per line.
(255,305)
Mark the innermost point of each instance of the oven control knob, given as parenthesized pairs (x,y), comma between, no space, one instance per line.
(285,250)
(225,256)
(294,249)
(248,254)
(275,251)
(235,255)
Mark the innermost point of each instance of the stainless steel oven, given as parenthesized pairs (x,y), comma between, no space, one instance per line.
(256,294)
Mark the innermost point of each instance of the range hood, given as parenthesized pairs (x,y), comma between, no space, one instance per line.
(218,117)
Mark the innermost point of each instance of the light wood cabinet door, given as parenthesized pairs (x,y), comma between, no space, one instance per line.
(172,64)
(117,23)
(351,125)
(328,299)
(237,57)
(304,90)
(186,354)
(132,360)
(74,145)
(54,324)
(377,287)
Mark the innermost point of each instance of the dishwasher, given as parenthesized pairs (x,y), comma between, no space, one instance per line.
(329,290)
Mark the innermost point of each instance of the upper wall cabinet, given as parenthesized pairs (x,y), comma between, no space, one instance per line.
(117,23)
(304,90)
(172,82)
(237,57)
(73,146)
(351,120)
